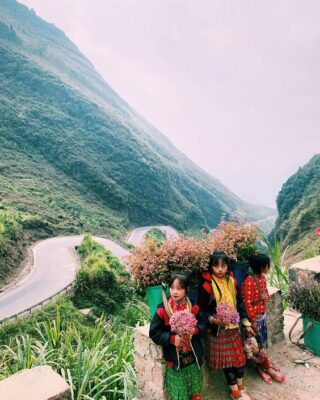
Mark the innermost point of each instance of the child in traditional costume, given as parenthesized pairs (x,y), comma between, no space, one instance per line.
(177,326)
(219,300)
(255,297)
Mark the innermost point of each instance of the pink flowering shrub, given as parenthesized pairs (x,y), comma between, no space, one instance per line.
(227,314)
(236,238)
(183,322)
(318,232)
(152,265)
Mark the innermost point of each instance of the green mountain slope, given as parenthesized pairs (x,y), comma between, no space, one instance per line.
(77,156)
(299,209)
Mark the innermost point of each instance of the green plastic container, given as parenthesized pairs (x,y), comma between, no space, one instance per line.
(312,335)
(154,297)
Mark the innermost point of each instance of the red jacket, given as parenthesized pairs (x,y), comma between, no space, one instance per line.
(251,292)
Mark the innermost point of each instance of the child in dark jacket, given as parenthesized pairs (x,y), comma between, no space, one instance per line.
(224,343)
(183,354)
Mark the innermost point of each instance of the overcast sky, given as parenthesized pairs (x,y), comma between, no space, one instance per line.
(233,84)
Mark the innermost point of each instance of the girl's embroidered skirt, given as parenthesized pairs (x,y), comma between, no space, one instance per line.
(184,383)
(225,350)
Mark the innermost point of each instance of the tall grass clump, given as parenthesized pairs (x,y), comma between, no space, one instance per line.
(279,274)
(95,360)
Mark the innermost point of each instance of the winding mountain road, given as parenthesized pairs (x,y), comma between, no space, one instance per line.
(54,268)
(137,234)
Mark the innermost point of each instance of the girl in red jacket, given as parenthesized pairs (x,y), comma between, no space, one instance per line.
(224,343)
(255,298)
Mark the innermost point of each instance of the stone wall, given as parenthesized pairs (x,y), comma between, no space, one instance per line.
(275,319)
(305,269)
(39,383)
(149,364)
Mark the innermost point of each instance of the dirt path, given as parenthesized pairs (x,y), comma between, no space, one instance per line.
(303,383)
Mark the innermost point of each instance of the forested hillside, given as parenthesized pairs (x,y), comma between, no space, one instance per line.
(76,157)
(299,209)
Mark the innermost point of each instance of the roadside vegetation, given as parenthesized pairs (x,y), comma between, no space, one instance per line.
(94,352)
(156,235)
(16,227)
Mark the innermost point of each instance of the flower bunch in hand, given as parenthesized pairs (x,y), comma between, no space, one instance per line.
(227,314)
(183,323)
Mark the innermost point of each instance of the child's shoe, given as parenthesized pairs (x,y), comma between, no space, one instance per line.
(239,395)
(236,395)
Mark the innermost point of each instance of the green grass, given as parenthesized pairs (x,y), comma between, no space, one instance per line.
(94,356)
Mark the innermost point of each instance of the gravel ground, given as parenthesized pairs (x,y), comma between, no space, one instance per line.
(303,383)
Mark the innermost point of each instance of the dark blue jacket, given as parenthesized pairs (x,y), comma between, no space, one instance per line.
(160,333)
(208,303)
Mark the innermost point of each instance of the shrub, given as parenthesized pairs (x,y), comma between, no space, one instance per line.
(236,238)
(101,283)
(305,298)
(156,235)
(152,265)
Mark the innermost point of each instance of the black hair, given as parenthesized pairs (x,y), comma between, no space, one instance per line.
(183,279)
(258,261)
(215,257)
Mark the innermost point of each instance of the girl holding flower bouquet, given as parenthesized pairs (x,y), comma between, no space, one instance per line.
(255,296)
(223,307)
(177,326)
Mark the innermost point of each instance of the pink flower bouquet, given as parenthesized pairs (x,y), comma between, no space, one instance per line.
(183,322)
(227,314)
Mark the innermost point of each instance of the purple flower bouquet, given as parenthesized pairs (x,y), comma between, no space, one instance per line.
(183,322)
(227,314)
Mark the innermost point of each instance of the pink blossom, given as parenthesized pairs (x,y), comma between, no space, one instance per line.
(234,237)
(151,265)
(318,231)
(183,322)
(227,314)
